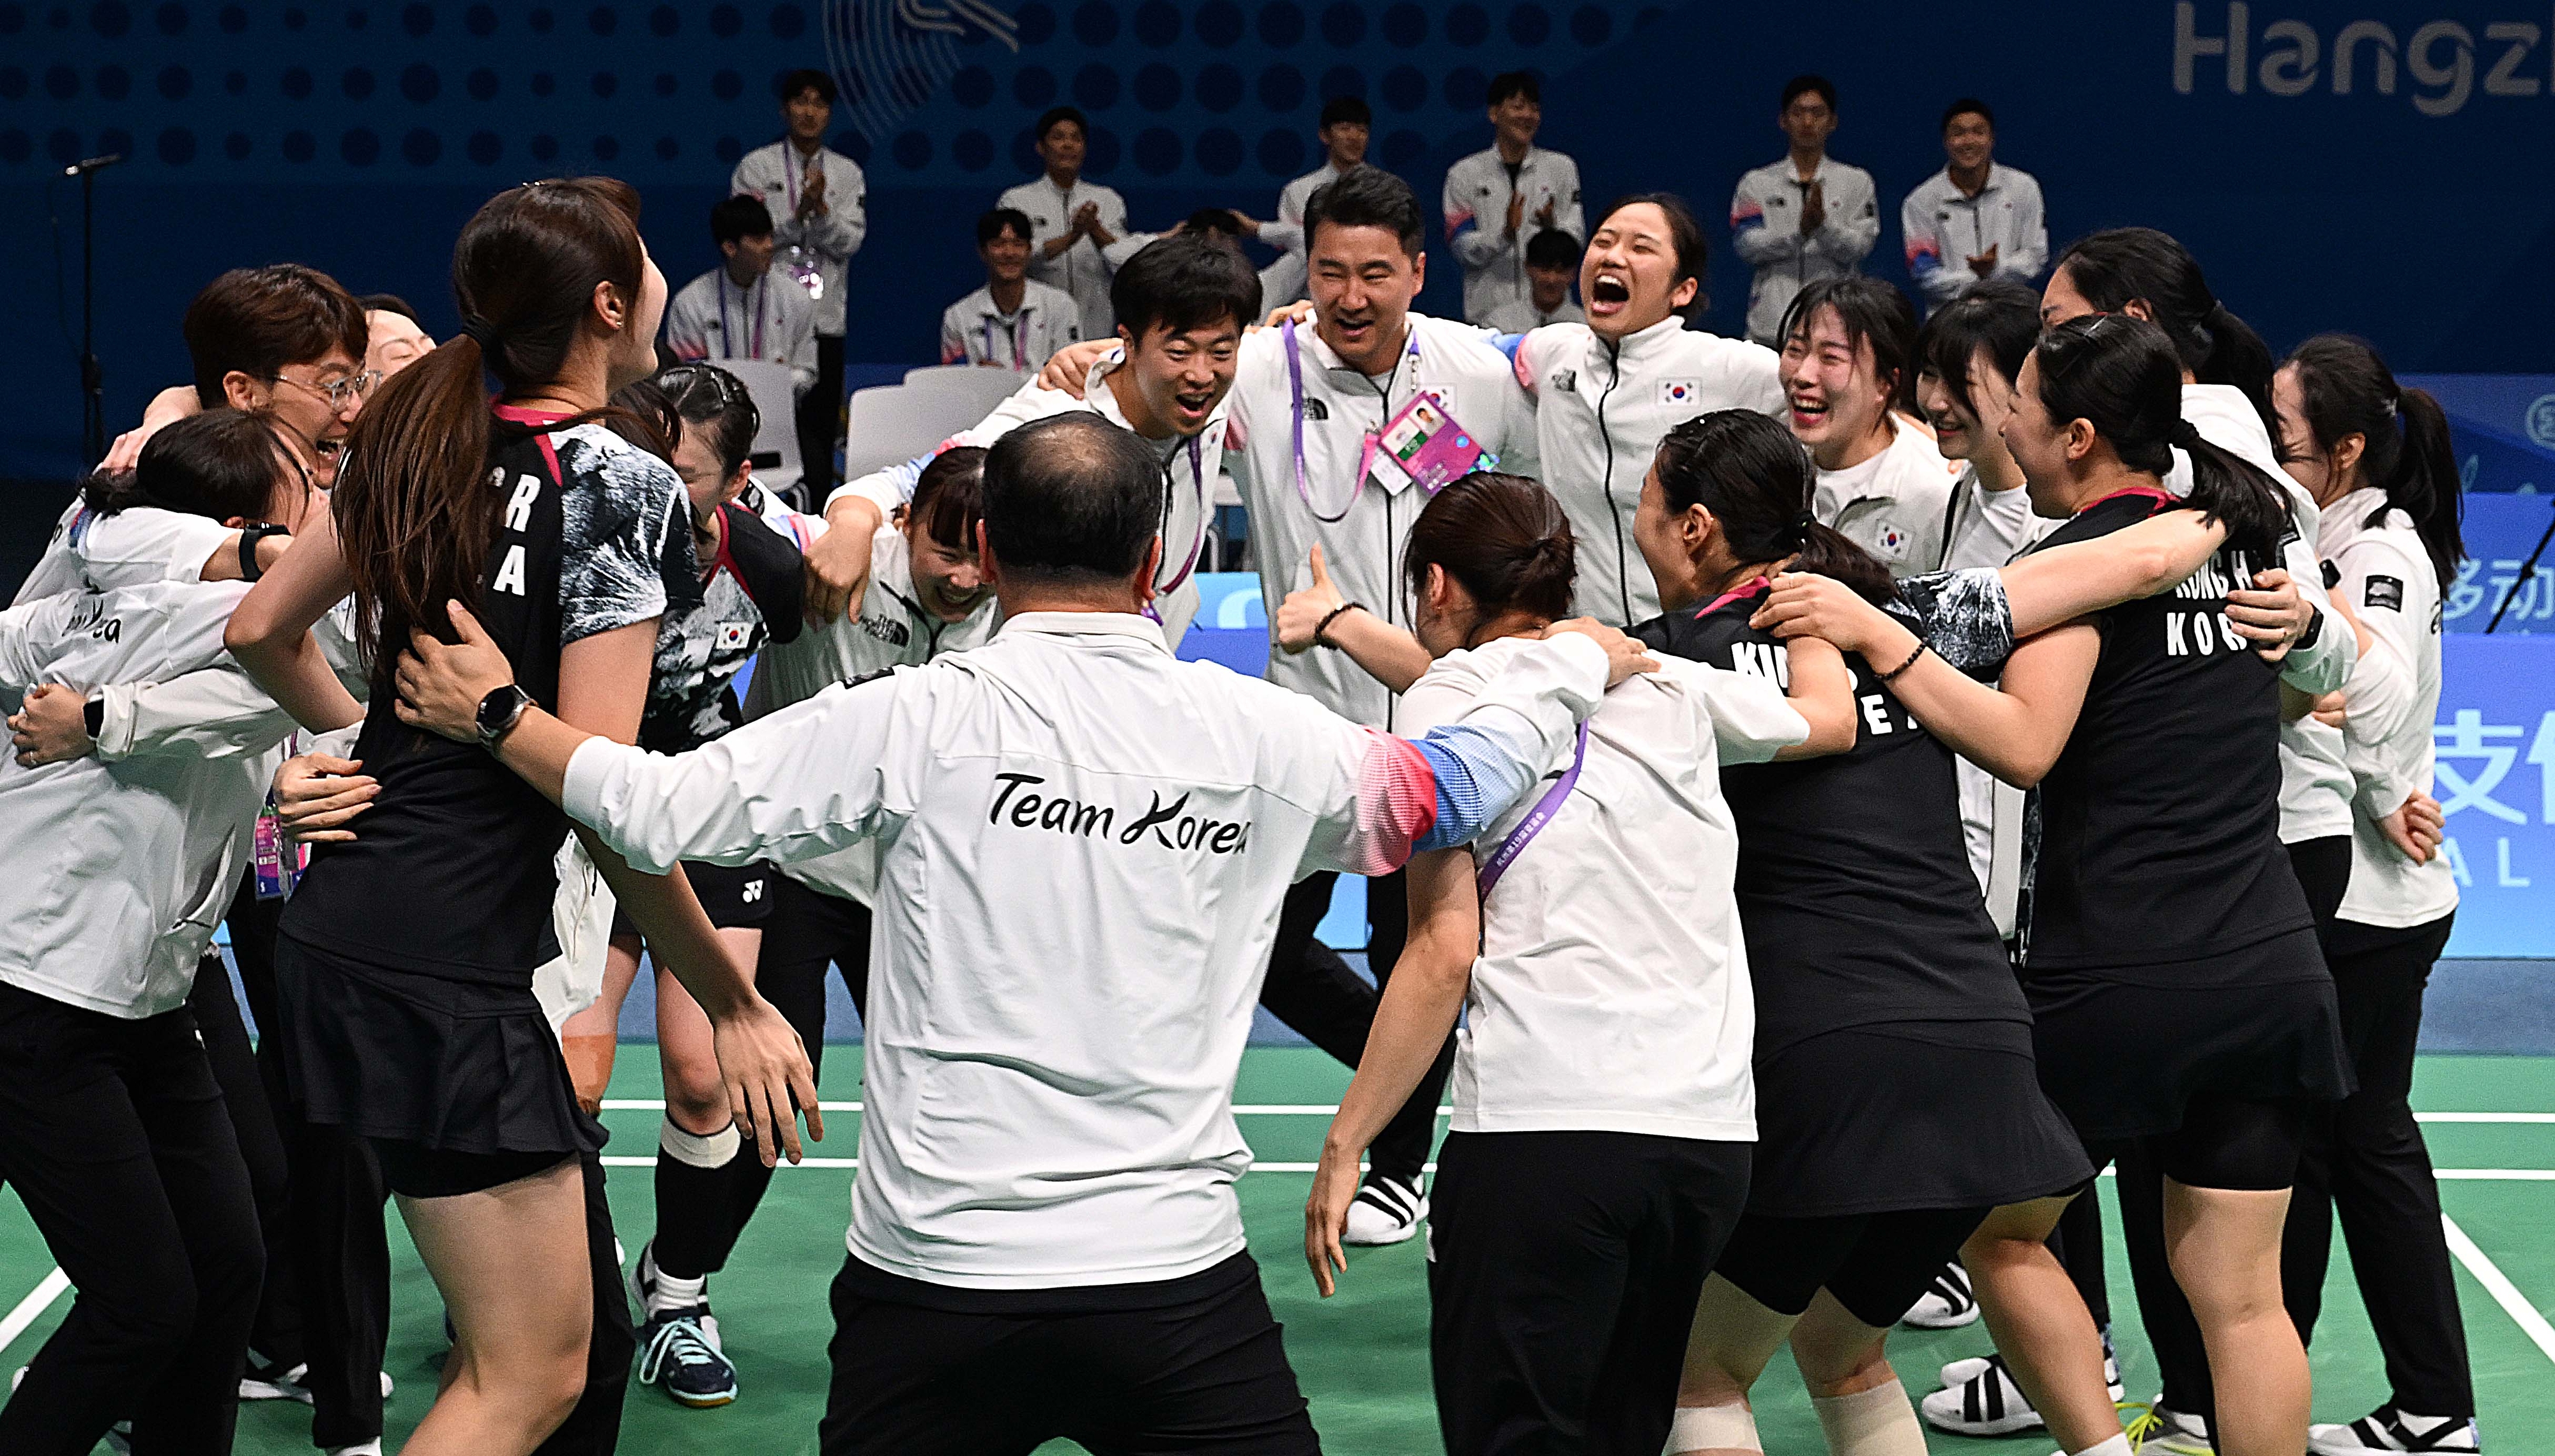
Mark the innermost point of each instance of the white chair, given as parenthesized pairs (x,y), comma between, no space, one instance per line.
(892,423)
(980,386)
(778,403)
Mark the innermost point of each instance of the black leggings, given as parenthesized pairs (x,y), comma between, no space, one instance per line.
(2224,1142)
(114,1133)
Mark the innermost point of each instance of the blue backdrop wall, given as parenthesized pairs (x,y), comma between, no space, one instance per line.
(2381,171)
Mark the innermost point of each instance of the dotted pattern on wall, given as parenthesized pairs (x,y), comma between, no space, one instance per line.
(936,92)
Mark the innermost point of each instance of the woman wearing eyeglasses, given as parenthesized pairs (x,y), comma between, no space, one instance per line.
(404,963)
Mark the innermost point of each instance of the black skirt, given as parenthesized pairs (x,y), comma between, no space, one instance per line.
(2125,1051)
(459,1066)
(1919,1115)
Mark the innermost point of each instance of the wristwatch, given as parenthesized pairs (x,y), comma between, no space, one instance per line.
(2315,630)
(250,535)
(500,710)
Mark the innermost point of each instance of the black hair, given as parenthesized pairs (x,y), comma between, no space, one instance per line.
(1049,119)
(1183,283)
(2349,390)
(706,395)
(1350,109)
(259,319)
(1072,497)
(1967,106)
(1872,311)
(1503,536)
(1758,482)
(1515,83)
(219,464)
(993,225)
(734,219)
(1793,88)
(1212,219)
(390,303)
(1552,248)
(2115,268)
(1366,197)
(1692,252)
(1998,315)
(948,496)
(805,79)
(2121,374)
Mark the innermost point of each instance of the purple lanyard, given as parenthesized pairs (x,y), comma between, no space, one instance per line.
(1197,478)
(1020,338)
(1295,403)
(1535,820)
(789,176)
(727,337)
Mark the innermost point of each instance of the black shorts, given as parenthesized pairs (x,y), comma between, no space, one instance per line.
(736,896)
(1875,1263)
(1106,1368)
(415,1171)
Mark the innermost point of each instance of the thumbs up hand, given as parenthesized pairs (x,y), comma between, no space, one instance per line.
(1301,614)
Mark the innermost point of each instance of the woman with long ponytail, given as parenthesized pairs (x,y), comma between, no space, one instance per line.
(404,963)
(1897,1105)
(2162,907)
(2376,457)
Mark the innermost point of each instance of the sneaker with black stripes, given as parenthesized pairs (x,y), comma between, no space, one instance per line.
(1946,1305)
(1387,1211)
(2388,1428)
(1979,1397)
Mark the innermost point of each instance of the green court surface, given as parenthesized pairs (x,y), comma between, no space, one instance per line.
(1364,1356)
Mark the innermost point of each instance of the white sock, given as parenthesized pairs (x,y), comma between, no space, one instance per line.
(672,1294)
(1874,1422)
(2117,1446)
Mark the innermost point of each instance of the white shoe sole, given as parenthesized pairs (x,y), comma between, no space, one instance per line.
(1931,1321)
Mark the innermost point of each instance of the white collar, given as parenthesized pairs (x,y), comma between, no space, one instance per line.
(1642,340)
(1328,359)
(1087,624)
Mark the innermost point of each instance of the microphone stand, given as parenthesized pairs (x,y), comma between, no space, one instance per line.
(92,373)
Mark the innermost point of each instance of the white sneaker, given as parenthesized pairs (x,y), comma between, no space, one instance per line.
(2164,1429)
(1979,1399)
(264,1379)
(1387,1211)
(2389,1429)
(1947,1305)
(360,1448)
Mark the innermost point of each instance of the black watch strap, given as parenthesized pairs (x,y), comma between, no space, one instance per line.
(250,535)
(94,717)
(2315,629)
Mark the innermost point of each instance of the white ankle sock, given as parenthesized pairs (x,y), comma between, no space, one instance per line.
(2117,1446)
(670,1292)
(1874,1422)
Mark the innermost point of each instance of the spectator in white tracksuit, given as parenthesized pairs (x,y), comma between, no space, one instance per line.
(1078,222)
(819,208)
(1975,219)
(1608,390)
(1347,122)
(740,310)
(1805,218)
(1501,196)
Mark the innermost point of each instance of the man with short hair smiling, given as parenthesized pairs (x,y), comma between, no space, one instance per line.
(1976,218)
(738,310)
(1805,218)
(1078,222)
(1504,194)
(819,209)
(1551,266)
(1014,322)
(1083,846)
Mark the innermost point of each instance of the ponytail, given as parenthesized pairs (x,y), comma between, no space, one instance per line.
(2124,265)
(1758,482)
(2346,389)
(1504,538)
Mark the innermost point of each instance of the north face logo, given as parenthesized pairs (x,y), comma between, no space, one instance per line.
(1316,410)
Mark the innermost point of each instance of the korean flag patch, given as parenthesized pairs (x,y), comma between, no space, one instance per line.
(731,636)
(2384,591)
(1892,543)
(1679,393)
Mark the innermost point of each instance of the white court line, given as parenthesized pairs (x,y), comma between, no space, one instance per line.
(2498,1284)
(2485,1117)
(1327,1109)
(2444,1175)
(33,1307)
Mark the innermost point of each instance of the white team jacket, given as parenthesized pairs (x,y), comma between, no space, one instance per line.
(1364,551)
(974,331)
(1766,228)
(1081,269)
(2315,778)
(1900,514)
(1476,219)
(1600,412)
(132,547)
(771,320)
(1189,469)
(776,174)
(1085,846)
(1944,227)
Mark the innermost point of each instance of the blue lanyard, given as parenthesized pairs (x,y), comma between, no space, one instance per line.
(1295,405)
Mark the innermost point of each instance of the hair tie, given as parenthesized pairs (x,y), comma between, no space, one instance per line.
(1801,525)
(2394,402)
(479,331)
(2183,435)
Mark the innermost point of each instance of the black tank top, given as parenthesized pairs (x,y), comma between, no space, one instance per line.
(1854,883)
(2159,829)
(450,872)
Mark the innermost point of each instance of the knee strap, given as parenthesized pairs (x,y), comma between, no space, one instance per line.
(1874,1422)
(1731,1427)
(697,1150)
